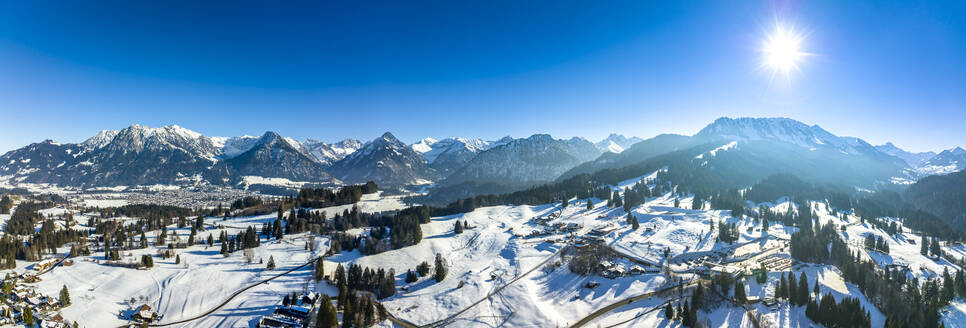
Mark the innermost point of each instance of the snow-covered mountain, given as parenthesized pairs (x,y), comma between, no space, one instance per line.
(273,156)
(169,155)
(172,155)
(139,139)
(914,160)
(928,163)
(754,146)
(783,130)
(234,146)
(327,153)
(100,139)
(387,161)
(523,162)
(616,143)
(450,154)
(948,161)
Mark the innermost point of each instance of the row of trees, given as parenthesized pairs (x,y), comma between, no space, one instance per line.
(930,247)
(876,243)
(846,314)
(325,197)
(727,232)
(379,282)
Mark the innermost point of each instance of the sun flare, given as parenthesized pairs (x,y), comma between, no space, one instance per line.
(783,50)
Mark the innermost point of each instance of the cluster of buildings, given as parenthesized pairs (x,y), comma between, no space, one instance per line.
(612,270)
(43,308)
(144,314)
(297,314)
(775,262)
(182,198)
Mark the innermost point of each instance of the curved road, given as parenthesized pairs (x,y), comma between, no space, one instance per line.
(604,310)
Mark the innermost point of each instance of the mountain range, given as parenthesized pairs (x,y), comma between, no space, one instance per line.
(740,148)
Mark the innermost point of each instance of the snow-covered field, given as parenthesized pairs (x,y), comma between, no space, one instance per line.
(489,249)
(371,203)
(202,280)
(481,260)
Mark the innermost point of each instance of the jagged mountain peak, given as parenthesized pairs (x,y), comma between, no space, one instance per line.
(385,160)
(616,143)
(328,154)
(100,139)
(424,145)
(389,137)
(914,160)
(449,154)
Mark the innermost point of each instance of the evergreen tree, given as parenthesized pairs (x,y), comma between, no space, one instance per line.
(697,298)
(948,292)
(343,296)
(271,263)
(163,237)
(564,203)
(7,287)
(740,295)
(811,309)
(782,285)
(590,205)
(802,291)
(422,269)
(440,267)
(388,286)
(327,317)
(411,276)
(934,249)
(348,314)
(762,276)
(669,311)
(64,296)
(792,290)
(28,316)
(177,259)
(685,315)
(459,227)
(5,204)
(147,261)
(319,269)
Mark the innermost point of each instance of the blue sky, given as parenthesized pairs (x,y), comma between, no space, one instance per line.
(882,71)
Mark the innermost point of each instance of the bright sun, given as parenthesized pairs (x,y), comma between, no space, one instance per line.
(782,50)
